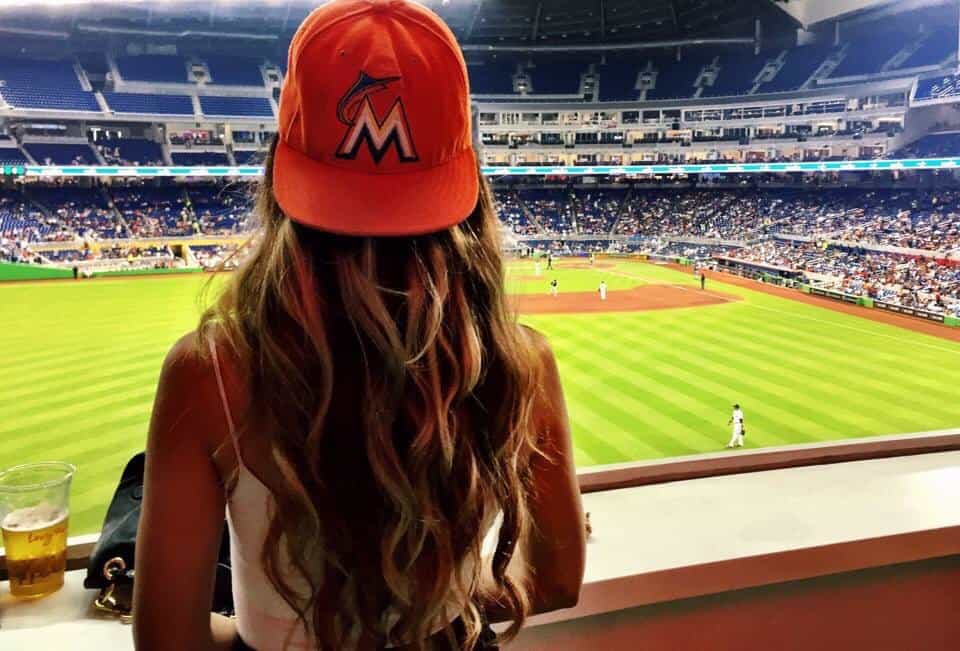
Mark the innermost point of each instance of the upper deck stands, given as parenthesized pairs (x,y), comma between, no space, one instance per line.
(236,106)
(154,68)
(234,71)
(149,103)
(736,75)
(800,64)
(42,84)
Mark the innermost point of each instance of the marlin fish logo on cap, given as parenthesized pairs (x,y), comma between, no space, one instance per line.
(357,112)
(375,135)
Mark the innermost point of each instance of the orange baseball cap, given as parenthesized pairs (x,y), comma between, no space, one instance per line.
(374,130)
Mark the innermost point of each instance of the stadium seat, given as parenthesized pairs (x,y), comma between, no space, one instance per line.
(147,103)
(618,81)
(46,153)
(868,55)
(556,78)
(12,156)
(234,71)
(131,151)
(199,158)
(492,77)
(736,76)
(939,45)
(41,84)
(676,79)
(800,64)
(153,67)
(236,106)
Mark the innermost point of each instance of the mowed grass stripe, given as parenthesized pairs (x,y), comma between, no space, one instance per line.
(104,368)
(714,372)
(661,412)
(851,373)
(868,360)
(65,397)
(702,410)
(771,359)
(11,447)
(710,381)
(59,353)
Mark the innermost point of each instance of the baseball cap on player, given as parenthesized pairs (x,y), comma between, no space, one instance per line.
(374,131)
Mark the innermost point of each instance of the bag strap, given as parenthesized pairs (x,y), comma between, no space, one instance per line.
(223,399)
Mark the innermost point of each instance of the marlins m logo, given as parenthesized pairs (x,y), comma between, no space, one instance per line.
(364,126)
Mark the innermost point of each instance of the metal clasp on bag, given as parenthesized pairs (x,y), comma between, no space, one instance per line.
(114,599)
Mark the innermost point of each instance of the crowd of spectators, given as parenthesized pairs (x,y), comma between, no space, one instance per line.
(213,257)
(740,222)
(911,281)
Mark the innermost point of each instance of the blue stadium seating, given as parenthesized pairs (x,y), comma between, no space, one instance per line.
(153,67)
(492,77)
(801,62)
(11,156)
(676,79)
(149,103)
(53,85)
(60,153)
(618,81)
(234,71)
(199,158)
(736,76)
(935,48)
(249,156)
(867,56)
(131,150)
(554,78)
(236,106)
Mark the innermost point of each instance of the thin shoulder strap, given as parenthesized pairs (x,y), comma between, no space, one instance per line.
(223,398)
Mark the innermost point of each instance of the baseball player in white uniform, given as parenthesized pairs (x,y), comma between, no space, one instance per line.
(554,287)
(736,419)
(603,290)
(536,268)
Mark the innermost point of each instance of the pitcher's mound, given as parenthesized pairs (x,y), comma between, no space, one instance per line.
(645,297)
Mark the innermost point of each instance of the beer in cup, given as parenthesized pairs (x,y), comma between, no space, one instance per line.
(34,510)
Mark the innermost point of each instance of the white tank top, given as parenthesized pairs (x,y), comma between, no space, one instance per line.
(264,619)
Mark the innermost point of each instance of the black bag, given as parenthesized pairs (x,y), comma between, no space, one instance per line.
(111,568)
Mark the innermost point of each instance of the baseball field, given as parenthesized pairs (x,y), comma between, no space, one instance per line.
(651,372)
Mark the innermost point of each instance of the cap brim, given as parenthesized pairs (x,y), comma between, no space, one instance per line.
(343,201)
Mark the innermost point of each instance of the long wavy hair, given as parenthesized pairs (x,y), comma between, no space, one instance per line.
(397,391)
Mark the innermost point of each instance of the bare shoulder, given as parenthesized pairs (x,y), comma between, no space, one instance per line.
(188,399)
(541,346)
(188,356)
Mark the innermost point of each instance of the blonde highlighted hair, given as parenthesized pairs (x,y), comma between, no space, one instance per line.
(396,391)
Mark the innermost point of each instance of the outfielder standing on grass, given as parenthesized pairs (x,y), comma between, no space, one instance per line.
(603,290)
(554,287)
(736,419)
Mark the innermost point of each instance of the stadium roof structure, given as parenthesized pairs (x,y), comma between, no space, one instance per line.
(490,22)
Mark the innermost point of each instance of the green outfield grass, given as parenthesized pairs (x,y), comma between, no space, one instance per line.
(80,361)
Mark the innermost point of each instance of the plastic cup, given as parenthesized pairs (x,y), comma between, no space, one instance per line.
(34,511)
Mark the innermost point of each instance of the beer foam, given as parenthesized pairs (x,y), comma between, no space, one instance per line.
(34,517)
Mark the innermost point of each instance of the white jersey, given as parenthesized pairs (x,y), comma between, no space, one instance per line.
(737,419)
